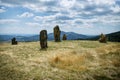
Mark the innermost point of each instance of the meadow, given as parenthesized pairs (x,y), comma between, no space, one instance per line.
(66,60)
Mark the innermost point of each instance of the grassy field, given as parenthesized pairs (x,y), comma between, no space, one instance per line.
(66,60)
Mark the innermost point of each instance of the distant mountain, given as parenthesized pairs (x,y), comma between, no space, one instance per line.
(6,37)
(70,36)
(115,37)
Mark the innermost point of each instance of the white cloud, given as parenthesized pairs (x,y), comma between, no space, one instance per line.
(2,10)
(31,24)
(44,19)
(8,21)
(103,19)
(26,14)
(47,18)
(37,18)
(87,12)
(35,7)
(115,9)
(102,2)
(109,19)
(99,9)
(67,3)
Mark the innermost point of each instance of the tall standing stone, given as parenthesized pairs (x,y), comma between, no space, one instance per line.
(57,33)
(102,38)
(64,37)
(14,42)
(43,39)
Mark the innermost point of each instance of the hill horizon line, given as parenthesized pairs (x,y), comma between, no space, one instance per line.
(70,36)
(27,34)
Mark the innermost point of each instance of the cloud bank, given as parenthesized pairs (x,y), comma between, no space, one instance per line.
(71,15)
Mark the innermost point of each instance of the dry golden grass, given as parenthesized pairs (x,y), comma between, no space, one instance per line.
(66,60)
(69,61)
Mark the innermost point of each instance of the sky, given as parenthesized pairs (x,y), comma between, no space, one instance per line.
(91,17)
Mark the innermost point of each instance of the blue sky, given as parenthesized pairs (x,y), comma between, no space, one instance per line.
(81,16)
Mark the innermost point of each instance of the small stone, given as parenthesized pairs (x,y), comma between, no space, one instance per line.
(64,37)
(14,42)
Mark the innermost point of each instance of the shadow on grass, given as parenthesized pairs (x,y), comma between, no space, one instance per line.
(43,49)
(102,78)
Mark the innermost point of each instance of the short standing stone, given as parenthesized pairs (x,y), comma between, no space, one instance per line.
(102,38)
(14,42)
(64,37)
(57,33)
(43,39)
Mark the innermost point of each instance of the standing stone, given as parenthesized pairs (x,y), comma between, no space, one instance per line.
(43,39)
(102,38)
(57,33)
(14,42)
(64,37)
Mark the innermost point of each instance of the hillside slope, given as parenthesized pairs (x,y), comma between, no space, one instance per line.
(66,60)
(115,37)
